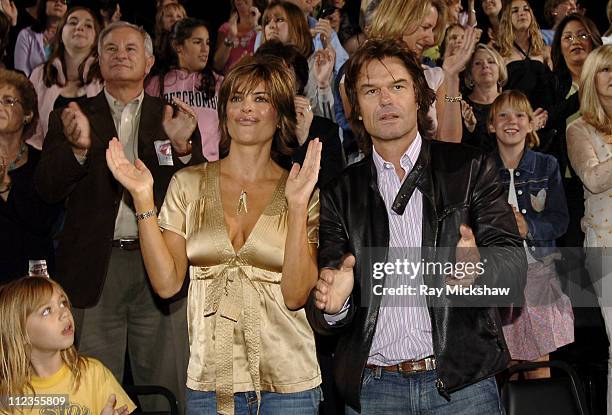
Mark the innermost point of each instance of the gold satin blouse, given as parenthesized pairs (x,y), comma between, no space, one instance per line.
(242,337)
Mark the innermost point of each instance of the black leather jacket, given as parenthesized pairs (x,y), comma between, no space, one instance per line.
(459,185)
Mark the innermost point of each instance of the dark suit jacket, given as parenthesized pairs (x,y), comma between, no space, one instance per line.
(91,193)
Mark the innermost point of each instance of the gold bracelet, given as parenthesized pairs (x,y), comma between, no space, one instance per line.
(145,215)
(458,98)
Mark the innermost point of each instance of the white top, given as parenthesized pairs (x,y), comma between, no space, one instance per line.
(513,200)
(591,156)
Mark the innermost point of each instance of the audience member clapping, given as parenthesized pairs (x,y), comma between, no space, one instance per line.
(527,58)
(283,21)
(421,24)
(190,77)
(71,72)
(484,76)
(309,125)
(236,37)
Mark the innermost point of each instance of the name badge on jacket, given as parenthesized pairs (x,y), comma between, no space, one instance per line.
(163,149)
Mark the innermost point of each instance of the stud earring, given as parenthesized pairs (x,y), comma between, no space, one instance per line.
(360,118)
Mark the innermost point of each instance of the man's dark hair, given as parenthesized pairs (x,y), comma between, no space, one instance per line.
(292,57)
(378,49)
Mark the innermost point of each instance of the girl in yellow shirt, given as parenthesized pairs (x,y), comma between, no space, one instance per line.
(40,369)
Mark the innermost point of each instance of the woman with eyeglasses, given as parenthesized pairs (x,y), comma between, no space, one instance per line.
(33,45)
(26,221)
(72,71)
(190,78)
(575,38)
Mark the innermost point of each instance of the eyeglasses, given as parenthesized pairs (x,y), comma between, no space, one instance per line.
(6,101)
(570,37)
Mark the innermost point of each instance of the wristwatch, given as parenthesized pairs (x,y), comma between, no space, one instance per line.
(228,42)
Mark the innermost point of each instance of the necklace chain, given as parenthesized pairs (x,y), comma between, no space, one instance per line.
(20,155)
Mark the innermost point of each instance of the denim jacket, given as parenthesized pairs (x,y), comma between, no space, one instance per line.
(541,199)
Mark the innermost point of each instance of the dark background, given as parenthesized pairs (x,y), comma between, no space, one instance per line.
(216,12)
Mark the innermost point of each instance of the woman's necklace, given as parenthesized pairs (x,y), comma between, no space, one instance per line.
(242,203)
(522,52)
(20,155)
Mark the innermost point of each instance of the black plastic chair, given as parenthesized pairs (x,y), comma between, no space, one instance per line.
(559,395)
(136,391)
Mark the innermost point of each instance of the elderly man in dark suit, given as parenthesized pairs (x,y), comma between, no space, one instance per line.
(98,258)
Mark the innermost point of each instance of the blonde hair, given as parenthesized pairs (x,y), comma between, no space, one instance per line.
(519,102)
(393,18)
(19,299)
(591,107)
(159,18)
(505,34)
(503,72)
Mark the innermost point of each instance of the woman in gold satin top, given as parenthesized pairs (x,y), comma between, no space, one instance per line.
(248,230)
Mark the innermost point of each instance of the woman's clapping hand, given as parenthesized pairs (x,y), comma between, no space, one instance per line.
(136,178)
(302,180)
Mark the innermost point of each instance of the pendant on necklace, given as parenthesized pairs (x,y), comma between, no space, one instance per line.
(242,203)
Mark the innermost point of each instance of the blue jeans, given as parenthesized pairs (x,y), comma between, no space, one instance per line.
(393,393)
(245,403)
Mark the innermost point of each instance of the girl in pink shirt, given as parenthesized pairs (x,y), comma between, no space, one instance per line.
(191,79)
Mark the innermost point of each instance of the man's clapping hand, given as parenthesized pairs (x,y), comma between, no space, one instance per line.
(335,285)
(76,128)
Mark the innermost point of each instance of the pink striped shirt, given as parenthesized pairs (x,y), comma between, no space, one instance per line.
(403,329)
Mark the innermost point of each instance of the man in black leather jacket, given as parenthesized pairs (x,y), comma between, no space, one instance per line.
(437,355)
